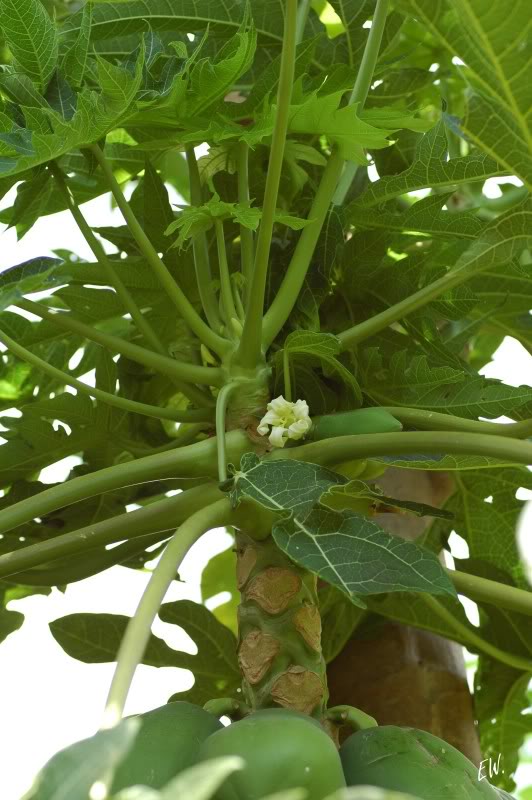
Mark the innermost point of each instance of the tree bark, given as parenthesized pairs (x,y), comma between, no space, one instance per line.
(396,673)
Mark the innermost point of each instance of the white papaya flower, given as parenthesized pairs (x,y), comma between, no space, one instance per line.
(287,421)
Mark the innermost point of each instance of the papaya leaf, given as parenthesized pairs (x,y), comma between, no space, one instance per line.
(211,80)
(341,125)
(197,219)
(95,638)
(151,204)
(10,621)
(73,771)
(31,276)
(74,59)
(431,169)
(96,113)
(486,512)
(32,38)
(61,97)
(499,107)
(501,703)
(356,556)
(219,576)
(358,496)
(280,486)
(347,550)
(339,617)
(313,349)
(424,216)
(410,381)
(201,781)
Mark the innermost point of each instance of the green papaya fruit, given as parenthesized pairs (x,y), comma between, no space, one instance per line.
(167,743)
(282,750)
(412,761)
(349,423)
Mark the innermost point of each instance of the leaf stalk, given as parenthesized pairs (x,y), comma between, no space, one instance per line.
(294,278)
(138,631)
(201,249)
(209,338)
(101,256)
(467,634)
(181,370)
(192,415)
(250,348)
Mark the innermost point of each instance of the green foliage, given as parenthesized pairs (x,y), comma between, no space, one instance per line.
(95,638)
(345,549)
(479,36)
(32,38)
(80,766)
(380,298)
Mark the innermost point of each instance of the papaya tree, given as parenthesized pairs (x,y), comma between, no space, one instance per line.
(287,331)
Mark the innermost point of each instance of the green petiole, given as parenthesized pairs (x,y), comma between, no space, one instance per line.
(192,415)
(157,516)
(225,278)
(294,278)
(483,590)
(197,460)
(101,256)
(468,635)
(201,250)
(222,402)
(435,421)
(181,370)
(209,338)
(246,235)
(250,348)
(138,631)
(345,448)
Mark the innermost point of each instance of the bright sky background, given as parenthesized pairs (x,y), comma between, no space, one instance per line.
(47,699)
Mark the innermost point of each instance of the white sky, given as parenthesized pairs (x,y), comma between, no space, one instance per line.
(47,699)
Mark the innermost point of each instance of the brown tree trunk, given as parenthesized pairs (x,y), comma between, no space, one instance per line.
(396,673)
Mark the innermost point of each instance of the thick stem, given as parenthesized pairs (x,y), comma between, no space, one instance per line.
(181,370)
(225,277)
(246,235)
(345,448)
(287,295)
(434,421)
(250,349)
(483,590)
(105,397)
(467,634)
(209,338)
(197,460)
(101,256)
(159,516)
(279,649)
(138,631)
(201,250)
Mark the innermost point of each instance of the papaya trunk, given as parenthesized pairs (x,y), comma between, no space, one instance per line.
(279,648)
(401,675)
